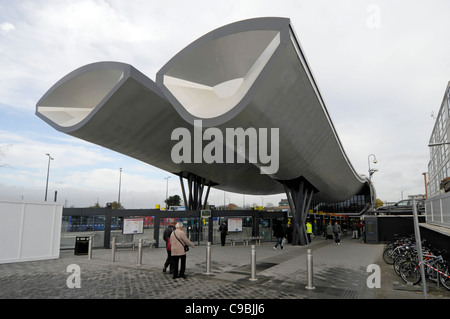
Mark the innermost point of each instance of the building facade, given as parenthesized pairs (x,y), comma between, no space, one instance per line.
(439,164)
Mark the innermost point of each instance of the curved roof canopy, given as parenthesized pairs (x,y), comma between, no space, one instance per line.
(250,75)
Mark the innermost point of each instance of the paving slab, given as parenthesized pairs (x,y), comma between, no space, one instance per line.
(340,272)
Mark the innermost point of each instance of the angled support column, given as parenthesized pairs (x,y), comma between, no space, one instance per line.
(194,199)
(299,193)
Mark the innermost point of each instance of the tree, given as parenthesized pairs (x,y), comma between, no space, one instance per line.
(116,205)
(378,203)
(174,200)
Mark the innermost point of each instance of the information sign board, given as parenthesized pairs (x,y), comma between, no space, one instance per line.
(133,226)
(234,224)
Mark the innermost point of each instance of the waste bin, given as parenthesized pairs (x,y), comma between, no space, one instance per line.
(81,245)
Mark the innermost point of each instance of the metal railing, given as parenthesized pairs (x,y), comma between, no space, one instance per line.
(437,210)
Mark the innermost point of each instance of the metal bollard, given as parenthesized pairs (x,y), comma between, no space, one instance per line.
(90,248)
(113,255)
(309,266)
(139,261)
(208,258)
(253,277)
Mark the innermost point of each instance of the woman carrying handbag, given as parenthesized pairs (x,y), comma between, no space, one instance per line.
(179,245)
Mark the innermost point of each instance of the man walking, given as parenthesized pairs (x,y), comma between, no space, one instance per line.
(223,232)
(355,230)
(166,236)
(308,230)
(278,233)
(337,233)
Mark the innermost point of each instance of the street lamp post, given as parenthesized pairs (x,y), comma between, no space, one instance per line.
(167,190)
(48,172)
(120,183)
(371,172)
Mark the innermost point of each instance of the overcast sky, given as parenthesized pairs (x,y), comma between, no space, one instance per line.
(382,68)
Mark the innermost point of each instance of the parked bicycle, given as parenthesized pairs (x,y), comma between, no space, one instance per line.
(395,247)
(437,269)
(403,255)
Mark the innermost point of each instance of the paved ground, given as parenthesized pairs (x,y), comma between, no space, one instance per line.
(340,272)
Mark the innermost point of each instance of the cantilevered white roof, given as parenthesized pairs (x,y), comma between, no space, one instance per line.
(249,74)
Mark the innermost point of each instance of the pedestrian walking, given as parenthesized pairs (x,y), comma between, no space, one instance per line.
(223,232)
(360,225)
(308,230)
(344,228)
(323,229)
(278,233)
(166,236)
(355,230)
(337,233)
(179,244)
(289,233)
(329,231)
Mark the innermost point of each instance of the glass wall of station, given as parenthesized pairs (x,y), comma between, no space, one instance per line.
(353,205)
(196,229)
(94,225)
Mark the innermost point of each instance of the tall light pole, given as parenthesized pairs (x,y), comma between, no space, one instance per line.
(120,183)
(48,172)
(371,172)
(167,190)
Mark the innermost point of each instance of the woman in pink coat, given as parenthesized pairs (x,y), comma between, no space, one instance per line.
(178,240)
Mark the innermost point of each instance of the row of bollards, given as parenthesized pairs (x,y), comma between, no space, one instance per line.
(139,258)
(309,260)
(253,261)
(309,265)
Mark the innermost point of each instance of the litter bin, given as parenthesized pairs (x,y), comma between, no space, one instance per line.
(81,245)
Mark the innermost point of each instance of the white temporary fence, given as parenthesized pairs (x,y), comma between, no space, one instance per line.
(29,231)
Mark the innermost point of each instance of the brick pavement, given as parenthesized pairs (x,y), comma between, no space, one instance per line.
(340,272)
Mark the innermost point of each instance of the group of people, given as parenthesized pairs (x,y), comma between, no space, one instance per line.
(176,243)
(331,231)
(334,231)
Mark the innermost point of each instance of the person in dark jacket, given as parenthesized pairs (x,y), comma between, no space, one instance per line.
(355,230)
(337,233)
(289,233)
(278,233)
(223,232)
(329,231)
(166,236)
